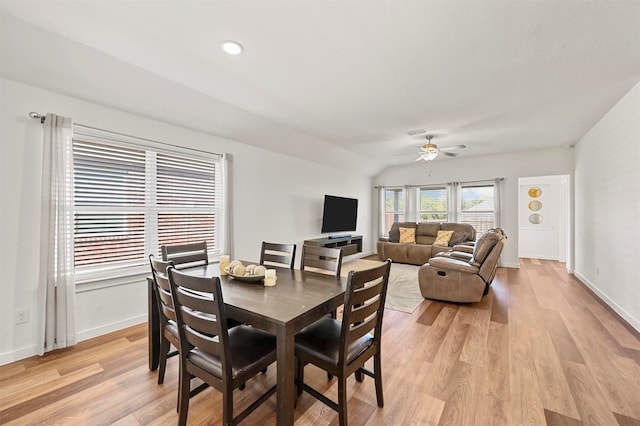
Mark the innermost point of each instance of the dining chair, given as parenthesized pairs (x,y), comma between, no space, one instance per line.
(274,254)
(342,347)
(168,326)
(186,255)
(326,260)
(221,357)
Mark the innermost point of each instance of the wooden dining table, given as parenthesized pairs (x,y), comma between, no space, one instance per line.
(298,299)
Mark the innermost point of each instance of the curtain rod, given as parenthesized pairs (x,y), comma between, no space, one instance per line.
(41,117)
(438,184)
(37,116)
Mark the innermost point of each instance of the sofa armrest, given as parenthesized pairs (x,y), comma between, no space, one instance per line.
(453,264)
(461,255)
(463,248)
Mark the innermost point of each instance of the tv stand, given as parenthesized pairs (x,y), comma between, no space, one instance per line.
(350,244)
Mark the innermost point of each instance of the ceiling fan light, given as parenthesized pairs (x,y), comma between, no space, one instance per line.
(429,151)
(430,155)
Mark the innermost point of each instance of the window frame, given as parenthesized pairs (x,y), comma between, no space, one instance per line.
(383,211)
(117,274)
(454,212)
(420,212)
(492,212)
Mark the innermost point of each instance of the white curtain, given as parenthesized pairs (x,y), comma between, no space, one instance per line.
(56,286)
(497,208)
(226,240)
(381,211)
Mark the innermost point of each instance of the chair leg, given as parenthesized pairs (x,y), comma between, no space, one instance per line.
(377,365)
(162,362)
(227,406)
(183,395)
(359,376)
(329,376)
(300,375)
(342,401)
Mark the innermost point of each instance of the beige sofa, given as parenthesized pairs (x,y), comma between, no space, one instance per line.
(464,274)
(425,236)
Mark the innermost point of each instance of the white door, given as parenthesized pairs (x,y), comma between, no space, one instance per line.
(542,217)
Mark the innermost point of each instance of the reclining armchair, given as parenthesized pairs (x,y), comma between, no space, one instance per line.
(463,274)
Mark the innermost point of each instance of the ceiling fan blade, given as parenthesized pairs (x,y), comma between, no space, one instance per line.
(448,154)
(452,147)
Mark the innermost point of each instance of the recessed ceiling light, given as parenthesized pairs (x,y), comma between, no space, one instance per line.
(232,47)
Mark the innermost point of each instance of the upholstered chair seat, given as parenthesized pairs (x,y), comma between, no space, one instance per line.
(322,340)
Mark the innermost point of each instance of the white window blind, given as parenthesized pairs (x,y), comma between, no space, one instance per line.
(187,200)
(477,206)
(131,199)
(109,200)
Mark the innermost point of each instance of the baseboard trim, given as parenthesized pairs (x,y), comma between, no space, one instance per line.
(539,256)
(632,323)
(18,354)
(108,328)
(509,265)
(22,353)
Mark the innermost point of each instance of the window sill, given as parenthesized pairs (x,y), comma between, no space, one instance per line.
(94,280)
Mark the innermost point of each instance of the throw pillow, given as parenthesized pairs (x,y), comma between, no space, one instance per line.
(443,237)
(408,235)
(457,238)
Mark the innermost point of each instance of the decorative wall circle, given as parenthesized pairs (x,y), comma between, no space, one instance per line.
(535,205)
(535,192)
(535,218)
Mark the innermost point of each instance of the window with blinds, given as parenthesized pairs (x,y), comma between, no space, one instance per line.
(131,200)
(394,208)
(186,200)
(477,207)
(434,204)
(476,203)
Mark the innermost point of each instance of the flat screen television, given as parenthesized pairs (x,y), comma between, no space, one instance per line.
(340,214)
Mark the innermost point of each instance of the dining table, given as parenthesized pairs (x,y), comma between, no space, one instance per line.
(298,299)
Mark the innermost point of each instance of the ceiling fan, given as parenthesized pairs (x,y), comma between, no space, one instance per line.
(430,151)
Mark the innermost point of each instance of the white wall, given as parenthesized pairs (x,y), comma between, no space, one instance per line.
(275,197)
(607,208)
(511,166)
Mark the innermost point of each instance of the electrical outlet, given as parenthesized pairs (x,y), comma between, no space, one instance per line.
(22,315)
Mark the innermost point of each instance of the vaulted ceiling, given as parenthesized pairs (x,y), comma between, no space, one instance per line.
(339,81)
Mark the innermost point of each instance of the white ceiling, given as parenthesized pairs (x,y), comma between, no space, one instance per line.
(339,82)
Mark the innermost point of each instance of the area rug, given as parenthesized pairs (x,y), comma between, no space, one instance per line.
(403,293)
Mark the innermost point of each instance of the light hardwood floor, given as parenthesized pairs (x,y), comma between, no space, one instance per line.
(539,349)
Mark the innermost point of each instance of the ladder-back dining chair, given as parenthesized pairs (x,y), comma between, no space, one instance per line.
(167,317)
(274,254)
(168,325)
(221,357)
(327,260)
(186,255)
(342,347)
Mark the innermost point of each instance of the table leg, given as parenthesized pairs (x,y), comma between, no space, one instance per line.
(286,374)
(153,326)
